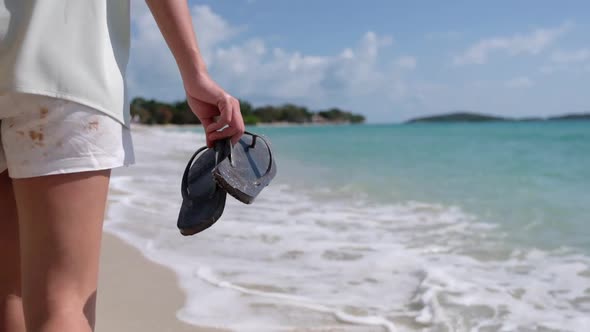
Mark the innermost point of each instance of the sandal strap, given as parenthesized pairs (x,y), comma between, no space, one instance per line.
(184,185)
(270,155)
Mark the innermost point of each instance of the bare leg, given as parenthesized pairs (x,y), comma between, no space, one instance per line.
(60,218)
(11,308)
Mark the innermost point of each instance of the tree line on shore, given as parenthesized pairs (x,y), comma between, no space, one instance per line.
(464,116)
(157,112)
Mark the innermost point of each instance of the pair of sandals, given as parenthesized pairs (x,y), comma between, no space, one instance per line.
(242,170)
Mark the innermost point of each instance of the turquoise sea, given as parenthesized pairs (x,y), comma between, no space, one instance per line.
(531,178)
(423,227)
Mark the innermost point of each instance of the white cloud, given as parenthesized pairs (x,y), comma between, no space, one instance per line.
(562,56)
(152,69)
(531,43)
(247,70)
(254,70)
(406,62)
(151,61)
(347,54)
(570,61)
(211,28)
(519,82)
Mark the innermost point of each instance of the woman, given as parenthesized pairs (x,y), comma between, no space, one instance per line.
(64,124)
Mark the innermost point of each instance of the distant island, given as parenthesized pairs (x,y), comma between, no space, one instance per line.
(476,117)
(157,112)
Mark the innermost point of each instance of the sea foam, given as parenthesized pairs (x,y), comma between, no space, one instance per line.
(293,261)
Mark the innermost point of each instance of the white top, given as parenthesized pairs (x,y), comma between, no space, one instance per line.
(71,49)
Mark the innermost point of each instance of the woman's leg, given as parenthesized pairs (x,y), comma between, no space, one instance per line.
(11,308)
(60,219)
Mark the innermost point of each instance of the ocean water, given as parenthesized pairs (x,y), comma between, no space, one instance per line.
(455,227)
(531,178)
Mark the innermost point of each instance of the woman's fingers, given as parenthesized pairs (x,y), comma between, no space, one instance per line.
(220,120)
(237,122)
(226,111)
(234,129)
(217,135)
(206,122)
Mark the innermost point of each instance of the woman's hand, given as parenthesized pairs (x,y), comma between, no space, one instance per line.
(218,111)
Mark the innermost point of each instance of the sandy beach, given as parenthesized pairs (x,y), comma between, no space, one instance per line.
(136,294)
(309,258)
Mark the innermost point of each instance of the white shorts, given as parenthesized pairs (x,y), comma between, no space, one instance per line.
(42,135)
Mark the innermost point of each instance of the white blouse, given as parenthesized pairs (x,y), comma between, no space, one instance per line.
(70,49)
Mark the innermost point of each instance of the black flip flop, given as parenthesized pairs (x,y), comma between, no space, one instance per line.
(249,167)
(203,200)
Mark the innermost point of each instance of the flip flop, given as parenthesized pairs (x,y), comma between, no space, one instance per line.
(249,167)
(203,200)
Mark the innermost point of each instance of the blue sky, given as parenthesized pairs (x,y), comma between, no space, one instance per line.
(389,60)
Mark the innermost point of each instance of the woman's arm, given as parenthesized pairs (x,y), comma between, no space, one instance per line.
(206,99)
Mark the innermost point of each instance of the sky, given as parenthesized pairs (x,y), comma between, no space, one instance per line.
(388,60)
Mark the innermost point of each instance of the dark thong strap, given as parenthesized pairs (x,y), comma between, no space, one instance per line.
(219,149)
(184,185)
(270,156)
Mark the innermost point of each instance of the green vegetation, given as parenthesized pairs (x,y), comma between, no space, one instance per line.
(578,116)
(457,117)
(337,115)
(157,112)
(475,117)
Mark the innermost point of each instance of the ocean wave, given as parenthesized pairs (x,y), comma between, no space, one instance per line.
(293,261)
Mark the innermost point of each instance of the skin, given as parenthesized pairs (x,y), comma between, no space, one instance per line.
(11,312)
(51,253)
(51,226)
(212,105)
(60,222)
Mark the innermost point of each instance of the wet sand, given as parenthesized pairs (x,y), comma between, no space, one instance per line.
(135,294)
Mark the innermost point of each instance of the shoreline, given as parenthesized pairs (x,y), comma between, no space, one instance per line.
(413,263)
(137,294)
(262,124)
